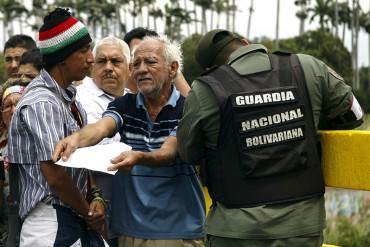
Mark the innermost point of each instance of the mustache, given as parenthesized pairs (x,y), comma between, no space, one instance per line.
(109,76)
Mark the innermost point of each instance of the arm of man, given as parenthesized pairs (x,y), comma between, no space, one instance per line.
(89,135)
(45,122)
(61,183)
(340,108)
(181,84)
(165,155)
(199,127)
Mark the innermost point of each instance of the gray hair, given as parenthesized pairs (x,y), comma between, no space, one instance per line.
(114,41)
(172,49)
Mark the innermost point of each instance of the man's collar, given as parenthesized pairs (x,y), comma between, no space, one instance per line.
(245,50)
(68,94)
(90,85)
(175,95)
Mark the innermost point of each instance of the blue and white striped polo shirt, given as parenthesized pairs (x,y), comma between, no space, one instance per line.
(154,203)
(41,119)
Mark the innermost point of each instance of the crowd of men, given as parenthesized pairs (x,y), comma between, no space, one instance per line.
(260,159)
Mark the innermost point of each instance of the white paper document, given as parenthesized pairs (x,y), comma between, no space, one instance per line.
(96,158)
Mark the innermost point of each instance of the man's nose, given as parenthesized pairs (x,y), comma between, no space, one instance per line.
(108,65)
(142,67)
(90,58)
(14,64)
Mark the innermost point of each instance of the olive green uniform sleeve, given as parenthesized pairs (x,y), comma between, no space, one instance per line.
(200,113)
(330,96)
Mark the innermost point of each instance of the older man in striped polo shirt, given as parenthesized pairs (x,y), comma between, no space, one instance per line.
(52,198)
(159,202)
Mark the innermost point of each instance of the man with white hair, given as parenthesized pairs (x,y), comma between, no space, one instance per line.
(109,76)
(157,199)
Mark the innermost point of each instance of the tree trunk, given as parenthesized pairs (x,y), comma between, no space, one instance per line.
(228,14)
(20,24)
(344,32)
(277,24)
(301,26)
(148,16)
(234,13)
(218,20)
(125,17)
(155,23)
(204,21)
(118,16)
(355,31)
(249,20)
(368,68)
(95,30)
(187,24)
(302,19)
(11,29)
(196,19)
(212,16)
(4,31)
(336,19)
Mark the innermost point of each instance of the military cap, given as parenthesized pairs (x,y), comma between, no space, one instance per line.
(211,45)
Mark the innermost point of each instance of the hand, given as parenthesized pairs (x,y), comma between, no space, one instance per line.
(126,161)
(95,216)
(65,147)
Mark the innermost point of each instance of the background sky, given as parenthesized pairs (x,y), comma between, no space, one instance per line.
(263,22)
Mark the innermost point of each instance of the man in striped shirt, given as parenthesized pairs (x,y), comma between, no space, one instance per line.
(157,199)
(52,198)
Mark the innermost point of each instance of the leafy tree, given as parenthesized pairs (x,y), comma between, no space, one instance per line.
(302,13)
(10,10)
(323,10)
(2,69)
(174,17)
(331,50)
(205,5)
(345,17)
(191,68)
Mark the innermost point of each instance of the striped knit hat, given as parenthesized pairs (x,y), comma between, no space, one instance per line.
(60,36)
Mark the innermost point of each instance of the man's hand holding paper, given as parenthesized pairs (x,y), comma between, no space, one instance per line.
(96,158)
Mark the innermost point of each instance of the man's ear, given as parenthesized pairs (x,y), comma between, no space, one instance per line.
(244,42)
(174,67)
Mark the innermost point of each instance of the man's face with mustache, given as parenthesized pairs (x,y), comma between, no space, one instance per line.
(110,70)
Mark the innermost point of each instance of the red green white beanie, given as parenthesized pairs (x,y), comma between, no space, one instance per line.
(60,36)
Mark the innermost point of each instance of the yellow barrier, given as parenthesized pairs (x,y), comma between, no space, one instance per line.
(346,159)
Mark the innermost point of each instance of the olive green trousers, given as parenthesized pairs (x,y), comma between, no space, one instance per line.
(303,241)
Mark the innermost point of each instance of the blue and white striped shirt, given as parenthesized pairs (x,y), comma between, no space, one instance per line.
(154,202)
(41,119)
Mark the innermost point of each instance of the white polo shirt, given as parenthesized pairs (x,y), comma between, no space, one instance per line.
(95,101)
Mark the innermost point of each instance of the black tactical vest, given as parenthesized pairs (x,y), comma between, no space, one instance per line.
(267,147)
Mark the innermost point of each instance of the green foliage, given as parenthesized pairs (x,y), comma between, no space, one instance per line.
(321,45)
(363,95)
(2,69)
(347,233)
(191,67)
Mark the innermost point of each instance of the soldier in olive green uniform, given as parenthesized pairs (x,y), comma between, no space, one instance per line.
(297,222)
